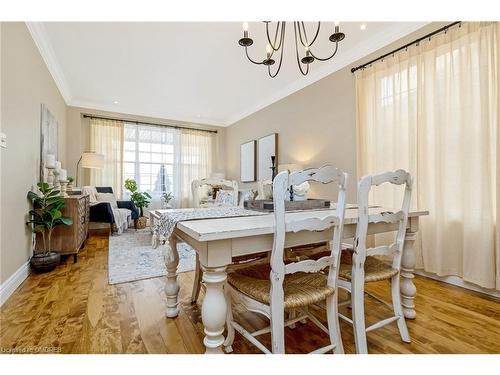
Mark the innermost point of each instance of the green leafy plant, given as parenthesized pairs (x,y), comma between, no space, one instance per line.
(141,200)
(70,179)
(46,213)
(167,196)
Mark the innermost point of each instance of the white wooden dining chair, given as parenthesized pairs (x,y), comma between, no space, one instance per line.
(196,186)
(367,268)
(273,289)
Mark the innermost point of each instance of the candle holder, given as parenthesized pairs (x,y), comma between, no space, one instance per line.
(50,176)
(64,187)
(57,183)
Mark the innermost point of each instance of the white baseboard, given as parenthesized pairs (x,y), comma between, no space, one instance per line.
(458,281)
(13,282)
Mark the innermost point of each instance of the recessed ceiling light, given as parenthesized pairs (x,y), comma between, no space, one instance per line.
(363,26)
(115,102)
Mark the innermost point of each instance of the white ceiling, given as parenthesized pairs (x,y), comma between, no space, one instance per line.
(188,71)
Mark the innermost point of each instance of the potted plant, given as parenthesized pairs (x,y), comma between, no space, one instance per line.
(70,183)
(140,199)
(166,197)
(44,217)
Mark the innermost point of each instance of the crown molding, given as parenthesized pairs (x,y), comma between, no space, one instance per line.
(357,52)
(160,116)
(362,49)
(39,35)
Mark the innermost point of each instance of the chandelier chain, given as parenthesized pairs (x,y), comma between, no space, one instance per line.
(281,56)
(297,52)
(275,35)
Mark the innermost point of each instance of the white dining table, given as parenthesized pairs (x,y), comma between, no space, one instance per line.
(218,240)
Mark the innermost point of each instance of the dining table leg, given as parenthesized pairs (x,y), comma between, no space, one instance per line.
(172,286)
(214,308)
(408,289)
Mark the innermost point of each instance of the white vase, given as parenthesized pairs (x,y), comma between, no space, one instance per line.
(165,205)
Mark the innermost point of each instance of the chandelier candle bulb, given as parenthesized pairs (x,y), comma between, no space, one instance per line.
(245,29)
(268,50)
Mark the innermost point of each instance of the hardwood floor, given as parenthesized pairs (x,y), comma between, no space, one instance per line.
(74,310)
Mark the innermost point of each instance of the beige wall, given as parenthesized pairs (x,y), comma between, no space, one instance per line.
(79,132)
(315,125)
(25,84)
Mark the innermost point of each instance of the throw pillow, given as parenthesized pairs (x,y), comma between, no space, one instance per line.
(225,197)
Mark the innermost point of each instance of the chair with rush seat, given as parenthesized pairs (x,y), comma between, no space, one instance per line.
(367,268)
(275,289)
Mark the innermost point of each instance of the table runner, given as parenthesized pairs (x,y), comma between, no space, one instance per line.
(165,225)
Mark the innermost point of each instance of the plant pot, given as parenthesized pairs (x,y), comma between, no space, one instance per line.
(141,222)
(45,262)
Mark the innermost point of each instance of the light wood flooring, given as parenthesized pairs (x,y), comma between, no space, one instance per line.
(74,310)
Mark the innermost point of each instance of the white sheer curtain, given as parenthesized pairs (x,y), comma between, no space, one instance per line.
(433,110)
(106,137)
(195,159)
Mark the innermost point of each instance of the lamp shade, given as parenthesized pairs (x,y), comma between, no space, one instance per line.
(290,167)
(92,160)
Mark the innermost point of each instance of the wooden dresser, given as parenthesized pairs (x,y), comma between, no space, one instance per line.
(70,239)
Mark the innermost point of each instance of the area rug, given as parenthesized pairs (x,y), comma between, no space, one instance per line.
(132,258)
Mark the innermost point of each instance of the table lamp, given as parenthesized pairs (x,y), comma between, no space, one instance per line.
(90,159)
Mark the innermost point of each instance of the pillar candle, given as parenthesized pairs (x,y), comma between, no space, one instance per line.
(58,165)
(63,175)
(50,161)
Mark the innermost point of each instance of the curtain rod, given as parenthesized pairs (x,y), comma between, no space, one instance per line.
(148,123)
(445,28)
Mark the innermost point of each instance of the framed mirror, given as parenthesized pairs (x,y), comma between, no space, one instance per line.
(49,129)
(267,148)
(247,161)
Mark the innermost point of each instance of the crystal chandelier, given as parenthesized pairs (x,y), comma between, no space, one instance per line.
(303,45)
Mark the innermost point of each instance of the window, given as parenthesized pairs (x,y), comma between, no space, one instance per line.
(149,157)
(163,159)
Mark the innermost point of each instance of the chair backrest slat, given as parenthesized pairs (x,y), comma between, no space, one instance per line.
(397,177)
(309,265)
(386,217)
(312,224)
(382,250)
(325,175)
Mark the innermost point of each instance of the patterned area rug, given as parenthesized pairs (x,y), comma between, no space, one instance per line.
(131,257)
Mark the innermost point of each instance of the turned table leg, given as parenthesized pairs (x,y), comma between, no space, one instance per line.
(172,287)
(214,308)
(408,289)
